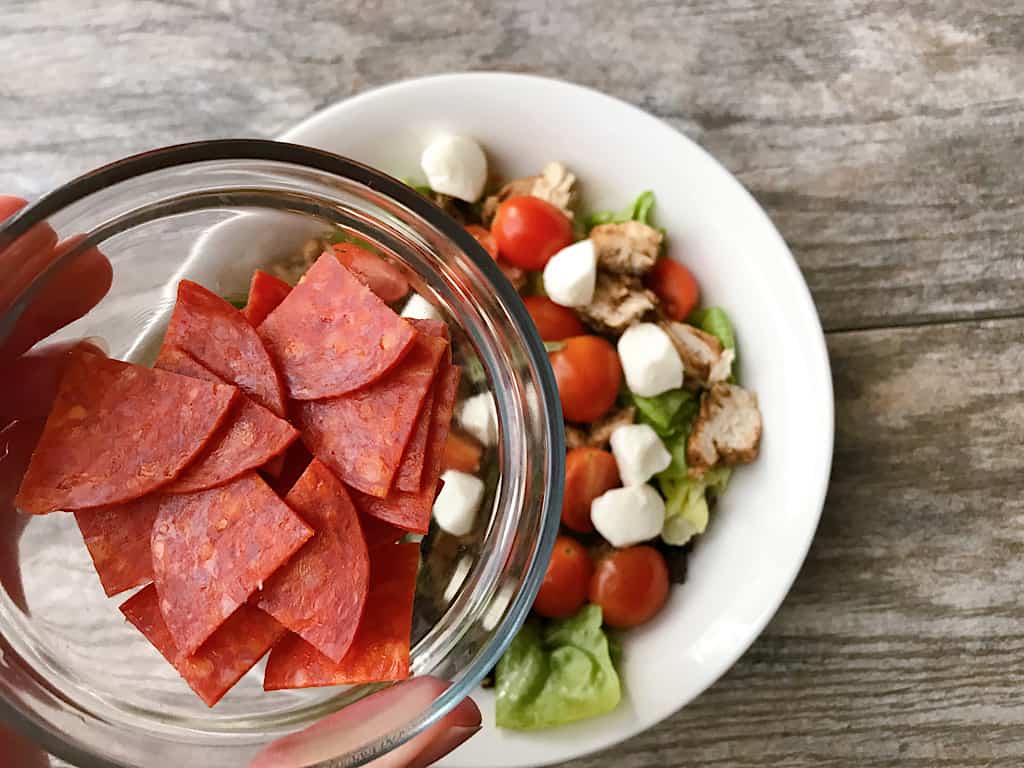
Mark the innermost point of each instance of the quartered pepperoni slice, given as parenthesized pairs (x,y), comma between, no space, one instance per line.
(333,335)
(118,431)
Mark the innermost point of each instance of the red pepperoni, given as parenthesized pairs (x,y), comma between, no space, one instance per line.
(332,335)
(118,431)
(217,335)
(411,511)
(177,360)
(380,276)
(410,471)
(117,538)
(223,659)
(319,594)
(251,436)
(380,650)
(377,532)
(362,436)
(213,549)
(265,293)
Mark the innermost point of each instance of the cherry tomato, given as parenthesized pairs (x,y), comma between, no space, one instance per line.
(589,375)
(676,286)
(564,589)
(485,238)
(529,231)
(380,276)
(554,322)
(461,453)
(630,585)
(589,472)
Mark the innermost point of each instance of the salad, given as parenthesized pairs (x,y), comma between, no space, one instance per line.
(655,420)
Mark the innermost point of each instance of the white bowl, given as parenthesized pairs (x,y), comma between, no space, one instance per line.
(743,567)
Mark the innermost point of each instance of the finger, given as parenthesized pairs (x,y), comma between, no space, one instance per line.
(27,390)
(10,205)
(68,295)
(450,739)
(24,258)
(22,752)
(368,719)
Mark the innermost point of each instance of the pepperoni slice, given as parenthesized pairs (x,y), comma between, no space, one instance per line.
(218,336)
(410,471)
(380,276)
(213,549)
(250,437)
(377,532)
(176,360)
(222,660)
(117,538)
(319,594)
(380,650)
(332,335)
(362,436)
(265,293)
(118,431)
(411,511)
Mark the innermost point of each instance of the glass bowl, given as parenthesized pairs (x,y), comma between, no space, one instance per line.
(74,675)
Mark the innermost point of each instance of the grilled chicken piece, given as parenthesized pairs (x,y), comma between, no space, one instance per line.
(629,248)
(554,183)
(619,302)
(727,430)
(705,362)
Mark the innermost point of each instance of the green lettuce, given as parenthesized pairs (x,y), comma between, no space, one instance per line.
(639,210)
(670,414)
(557,674)
(686,503)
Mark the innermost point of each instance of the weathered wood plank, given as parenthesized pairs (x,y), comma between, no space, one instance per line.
(902,642)
(883,137)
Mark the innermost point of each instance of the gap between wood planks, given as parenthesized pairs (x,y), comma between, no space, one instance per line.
(927,323)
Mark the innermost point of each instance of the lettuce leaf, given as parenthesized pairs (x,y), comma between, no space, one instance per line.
(686,504)
(639,210)
(557,674)
(670,414)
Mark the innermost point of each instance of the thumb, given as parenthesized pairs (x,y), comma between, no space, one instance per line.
(354,727)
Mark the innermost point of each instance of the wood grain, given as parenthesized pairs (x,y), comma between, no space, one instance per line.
(884,139)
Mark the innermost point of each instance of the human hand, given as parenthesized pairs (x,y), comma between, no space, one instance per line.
(27,389)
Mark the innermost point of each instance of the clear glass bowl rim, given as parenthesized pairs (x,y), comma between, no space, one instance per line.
(295,154)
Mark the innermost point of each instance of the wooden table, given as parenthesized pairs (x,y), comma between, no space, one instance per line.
(885,139)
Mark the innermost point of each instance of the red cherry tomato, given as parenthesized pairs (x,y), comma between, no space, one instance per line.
(380,276)
(554,322)
(676,286)
(529,231)
(630,585)
(589,375)
(589,472)
(564,589)
(485,238)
